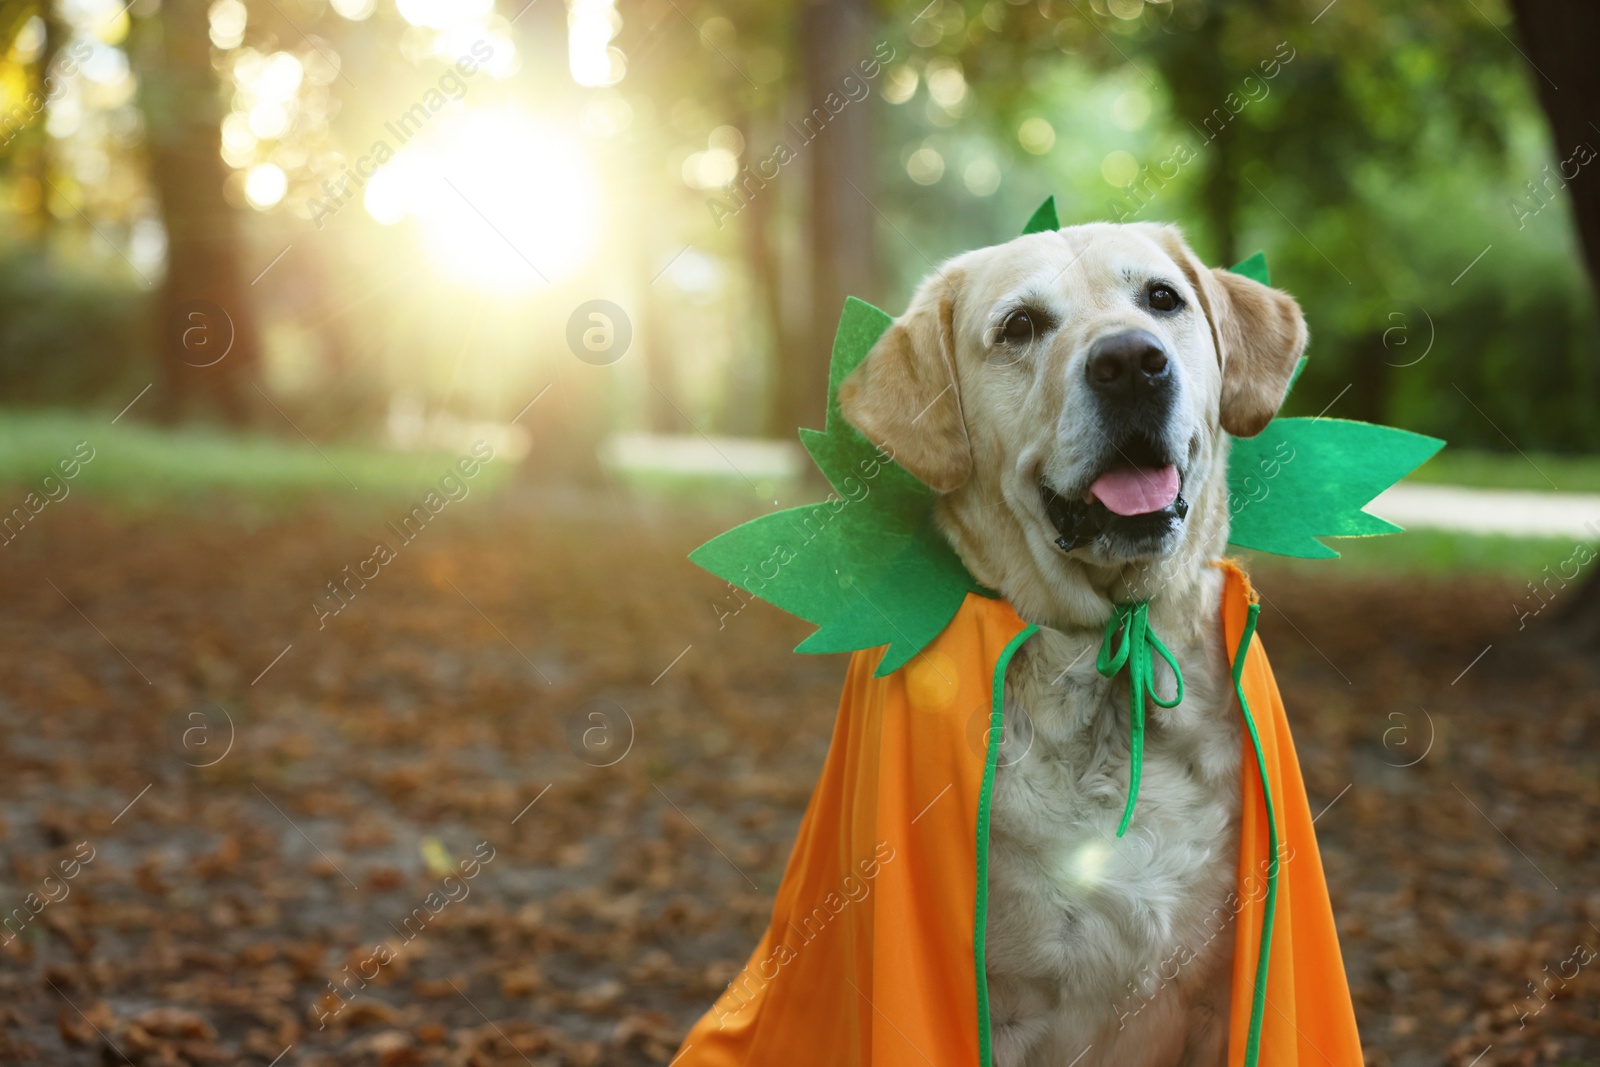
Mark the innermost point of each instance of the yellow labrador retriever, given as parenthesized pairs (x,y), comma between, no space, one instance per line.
(1070,394)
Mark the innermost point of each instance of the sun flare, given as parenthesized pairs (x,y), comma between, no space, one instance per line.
(504,202)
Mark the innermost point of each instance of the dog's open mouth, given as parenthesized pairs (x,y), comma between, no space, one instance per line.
(1138,498)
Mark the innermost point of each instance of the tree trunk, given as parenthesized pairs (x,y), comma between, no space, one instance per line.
(1199,79)
(1369,385)
(841,219)
(762,255)
(1220,195)
(205,307)
(31,155)
(1558,40)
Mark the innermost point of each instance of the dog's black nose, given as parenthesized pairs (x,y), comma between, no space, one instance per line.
(1125,366)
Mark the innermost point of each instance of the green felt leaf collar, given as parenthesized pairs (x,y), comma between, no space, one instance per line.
(868,567)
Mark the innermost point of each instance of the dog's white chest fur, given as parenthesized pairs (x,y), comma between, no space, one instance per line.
(1115,950)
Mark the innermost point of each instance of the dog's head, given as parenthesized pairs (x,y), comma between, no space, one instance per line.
(1067,392)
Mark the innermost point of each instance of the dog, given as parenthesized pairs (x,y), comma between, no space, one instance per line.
(1070,395)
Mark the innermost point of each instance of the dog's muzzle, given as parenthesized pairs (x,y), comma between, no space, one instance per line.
(1078,522)
(1137,496)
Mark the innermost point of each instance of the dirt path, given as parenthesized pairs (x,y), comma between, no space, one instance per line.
(1513,512)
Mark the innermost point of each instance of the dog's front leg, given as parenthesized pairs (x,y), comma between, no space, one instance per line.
(1019,1013)
(1206,1044)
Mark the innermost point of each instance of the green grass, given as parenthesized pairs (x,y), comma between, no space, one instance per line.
(155,467)
(142,464)
(1511,470)
(718,493)
(1428,552)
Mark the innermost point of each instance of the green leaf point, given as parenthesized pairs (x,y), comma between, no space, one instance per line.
(1253,267)
(867,566)
(1044,218)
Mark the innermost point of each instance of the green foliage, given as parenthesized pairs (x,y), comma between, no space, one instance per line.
(1374,150)
(1353,150)
(1539,471)
(69,335)
(147,465)
(1439,553)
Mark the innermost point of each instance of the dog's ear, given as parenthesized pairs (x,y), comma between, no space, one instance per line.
(1260,335)
(904,395)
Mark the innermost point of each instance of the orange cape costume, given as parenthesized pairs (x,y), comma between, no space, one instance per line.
(875,953)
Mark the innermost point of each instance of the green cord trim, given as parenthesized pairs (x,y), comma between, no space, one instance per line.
(985,798)
(1135,653)
(1259,1003)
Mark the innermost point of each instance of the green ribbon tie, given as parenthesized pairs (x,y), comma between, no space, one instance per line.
(1135,652)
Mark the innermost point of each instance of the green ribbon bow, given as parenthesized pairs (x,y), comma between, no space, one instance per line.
(1135,653)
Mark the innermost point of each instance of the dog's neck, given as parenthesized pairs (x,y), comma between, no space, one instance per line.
(1074,594)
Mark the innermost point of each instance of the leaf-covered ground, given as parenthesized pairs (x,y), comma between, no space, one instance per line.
(231,835)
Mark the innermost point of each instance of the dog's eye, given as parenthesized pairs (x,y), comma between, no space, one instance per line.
(1163,297)
(1018,328)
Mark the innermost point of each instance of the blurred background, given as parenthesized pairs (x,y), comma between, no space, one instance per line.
(368,367)
(393,209)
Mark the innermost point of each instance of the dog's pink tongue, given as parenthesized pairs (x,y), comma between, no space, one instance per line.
(1137,491)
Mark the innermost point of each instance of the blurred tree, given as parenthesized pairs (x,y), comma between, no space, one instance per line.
(1372,162)
(840,222)
(1367,148)
(788,213)
(1557,40)
(689,64)
(761,252)
(1278,121)
(181,99)
(26,143)
(71,331)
